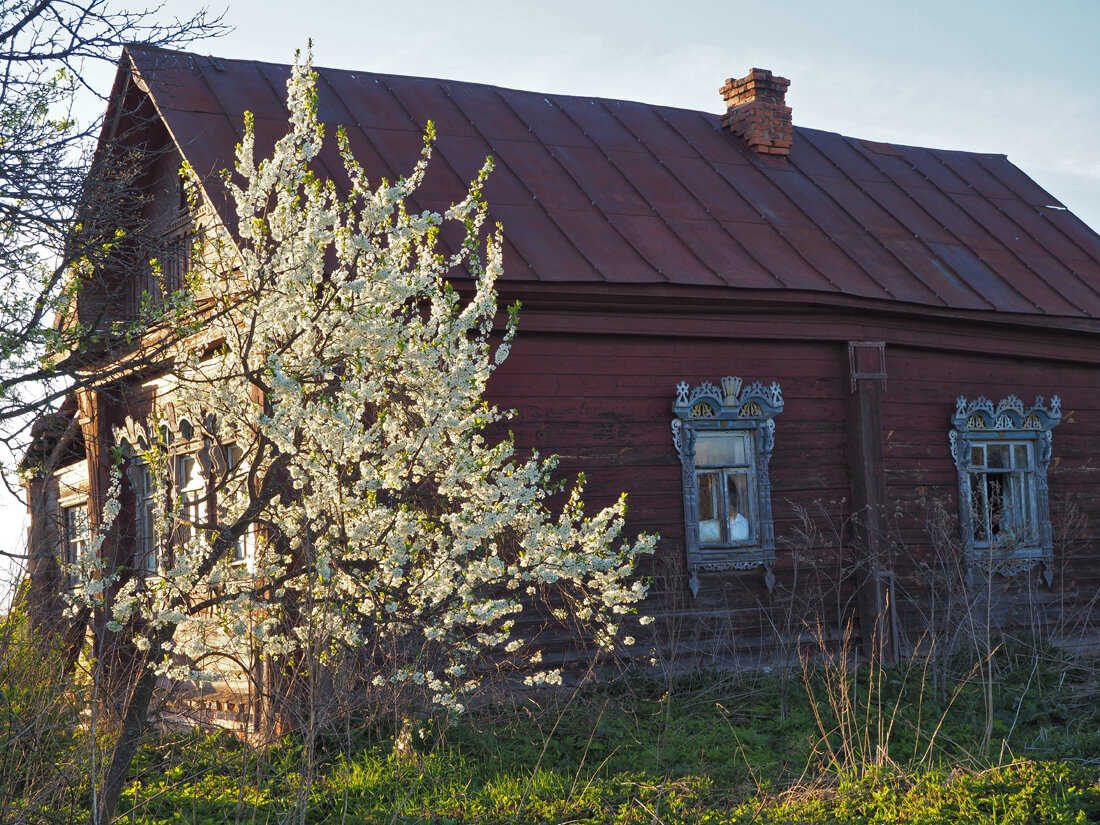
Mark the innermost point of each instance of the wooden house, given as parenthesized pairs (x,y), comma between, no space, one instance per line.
(849,383)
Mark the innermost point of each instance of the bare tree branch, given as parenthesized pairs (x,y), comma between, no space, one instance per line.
(55,217)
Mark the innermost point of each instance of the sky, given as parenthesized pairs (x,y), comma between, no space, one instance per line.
(1017,77)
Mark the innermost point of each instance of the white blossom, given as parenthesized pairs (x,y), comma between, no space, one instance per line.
(348,369)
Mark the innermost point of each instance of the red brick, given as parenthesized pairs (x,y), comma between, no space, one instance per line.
(757,111)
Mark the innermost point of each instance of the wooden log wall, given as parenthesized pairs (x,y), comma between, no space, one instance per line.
(935,595)
(602,402)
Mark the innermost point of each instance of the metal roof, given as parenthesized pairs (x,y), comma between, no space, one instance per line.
(596,190)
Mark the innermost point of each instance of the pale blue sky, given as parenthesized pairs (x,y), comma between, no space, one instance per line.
(1019,77)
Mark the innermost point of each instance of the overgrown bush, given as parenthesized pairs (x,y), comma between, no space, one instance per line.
(43,769)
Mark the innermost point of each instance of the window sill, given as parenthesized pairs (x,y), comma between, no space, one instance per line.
(732,559)
(1009,562)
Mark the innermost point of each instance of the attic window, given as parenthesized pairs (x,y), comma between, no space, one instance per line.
(724,438)
(176,266)
(1001,454)
(175,257)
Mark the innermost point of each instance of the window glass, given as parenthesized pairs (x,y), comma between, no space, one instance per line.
(725,509)
(77,532)
(1002,494)
(710,505)
(192,495)
(996,455)
(719,449)
(739,514)
(146,559)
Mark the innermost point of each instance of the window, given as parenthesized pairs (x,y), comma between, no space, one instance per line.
(147,550)
(244,549)
(724,479)
(176,265)
(724,437)
(1002,493)
(1002,454)
(180,241)
(191,487)
(76,533)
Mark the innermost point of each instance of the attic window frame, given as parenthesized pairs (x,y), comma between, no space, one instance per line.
(180,234)
(978,424)
(179,250)
(747,413)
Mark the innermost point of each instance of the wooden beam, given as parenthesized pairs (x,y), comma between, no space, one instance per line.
(874,577)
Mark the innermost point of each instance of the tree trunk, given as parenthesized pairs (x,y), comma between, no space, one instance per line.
(129,737)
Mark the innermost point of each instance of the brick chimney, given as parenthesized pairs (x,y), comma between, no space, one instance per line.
(757,112)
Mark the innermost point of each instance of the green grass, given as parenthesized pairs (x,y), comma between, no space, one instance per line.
(702,748)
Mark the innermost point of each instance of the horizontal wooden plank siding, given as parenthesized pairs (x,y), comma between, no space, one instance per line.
(602,402)
(923,485)
(600,399)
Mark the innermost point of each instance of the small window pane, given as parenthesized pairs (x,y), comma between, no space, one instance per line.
(979,507)
(718,449)
(710,491)
(738,523)
(1019,456)
(187,475)
(997,455)
(1017,510)
(146,560)
(977,457)
(242,547)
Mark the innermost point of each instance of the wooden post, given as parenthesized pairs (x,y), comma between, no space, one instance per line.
(44,579)
(874,579)
(98,413)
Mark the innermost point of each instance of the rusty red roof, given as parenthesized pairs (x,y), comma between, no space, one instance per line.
(596,190)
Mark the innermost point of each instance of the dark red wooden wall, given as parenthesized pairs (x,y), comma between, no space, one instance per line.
(597,391)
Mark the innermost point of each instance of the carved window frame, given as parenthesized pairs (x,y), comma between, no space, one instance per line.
(185,493)
(977,425)
(748,412)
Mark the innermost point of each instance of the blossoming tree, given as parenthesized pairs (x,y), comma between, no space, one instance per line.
(351,500)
